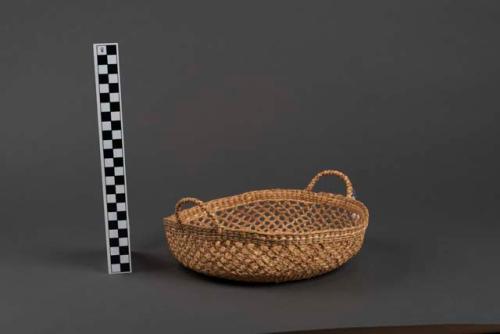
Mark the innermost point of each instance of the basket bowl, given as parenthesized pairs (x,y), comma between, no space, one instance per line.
(271,235)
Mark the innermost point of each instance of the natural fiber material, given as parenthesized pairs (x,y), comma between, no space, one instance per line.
(270,235)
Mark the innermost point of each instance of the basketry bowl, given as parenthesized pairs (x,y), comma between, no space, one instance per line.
(272,235)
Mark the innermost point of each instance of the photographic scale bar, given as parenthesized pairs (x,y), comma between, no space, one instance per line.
(112,152)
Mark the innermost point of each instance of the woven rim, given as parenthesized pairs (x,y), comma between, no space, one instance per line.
(181,219)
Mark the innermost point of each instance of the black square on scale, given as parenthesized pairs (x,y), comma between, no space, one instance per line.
(111,49)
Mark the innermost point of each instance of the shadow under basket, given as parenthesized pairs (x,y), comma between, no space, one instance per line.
(273,235)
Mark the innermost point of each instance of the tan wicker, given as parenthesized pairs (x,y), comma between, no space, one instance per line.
(273,235)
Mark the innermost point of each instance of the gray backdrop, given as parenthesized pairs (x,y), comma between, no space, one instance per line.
(225,97)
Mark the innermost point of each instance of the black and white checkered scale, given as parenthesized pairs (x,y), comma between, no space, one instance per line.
(112,155)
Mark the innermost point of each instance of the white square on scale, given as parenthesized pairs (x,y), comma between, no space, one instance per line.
(116,134)
(101,49)
(113,78)
(115,115)
(117,153)
(106,126)
(120,189)
(107,144)
(118,171)
(112,59)
(102,69)
(114,97)
(103,88)
(115,268)
(105,106)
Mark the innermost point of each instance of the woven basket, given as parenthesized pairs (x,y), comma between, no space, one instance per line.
(273,235)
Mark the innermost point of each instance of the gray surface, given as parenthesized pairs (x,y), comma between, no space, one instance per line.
(220,98)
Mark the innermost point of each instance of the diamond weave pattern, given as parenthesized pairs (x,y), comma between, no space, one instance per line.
(256,262)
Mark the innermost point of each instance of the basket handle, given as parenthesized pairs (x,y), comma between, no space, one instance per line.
(347,182)
(202,206)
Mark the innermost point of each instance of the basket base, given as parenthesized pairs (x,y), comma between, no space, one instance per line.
(258,280)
